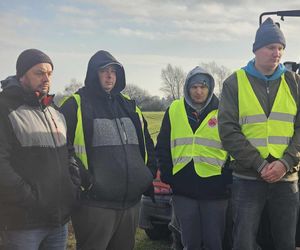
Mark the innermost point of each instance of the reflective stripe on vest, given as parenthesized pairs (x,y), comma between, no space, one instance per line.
(203,147)
(270,135)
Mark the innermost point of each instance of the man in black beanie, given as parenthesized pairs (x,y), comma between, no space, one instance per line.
(259,126)
(36,189)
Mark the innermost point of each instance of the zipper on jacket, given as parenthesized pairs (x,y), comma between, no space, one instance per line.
(57,159)
(268,98)
(115,116)
(124,131)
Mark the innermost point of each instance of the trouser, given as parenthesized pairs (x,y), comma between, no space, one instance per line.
(105,229)
(249,197)
(35,239)
(202,222)
(175,229)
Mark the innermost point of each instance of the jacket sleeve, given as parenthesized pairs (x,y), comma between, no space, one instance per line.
(13,188)
(291,155)
(151,162)
(233,140)
(163,150)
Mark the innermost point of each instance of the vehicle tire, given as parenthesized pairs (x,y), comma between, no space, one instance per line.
(158,232)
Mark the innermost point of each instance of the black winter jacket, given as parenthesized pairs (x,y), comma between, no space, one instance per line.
(35,185)
(113,139)
(186,182)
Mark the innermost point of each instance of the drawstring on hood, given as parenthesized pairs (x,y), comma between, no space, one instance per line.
(210,82)
(99,60)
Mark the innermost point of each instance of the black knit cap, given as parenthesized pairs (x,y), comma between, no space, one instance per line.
(29,58)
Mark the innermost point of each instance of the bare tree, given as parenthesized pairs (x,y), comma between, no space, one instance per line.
(173,79)
(72,87)
(219,72)
(143,99)
(136,93)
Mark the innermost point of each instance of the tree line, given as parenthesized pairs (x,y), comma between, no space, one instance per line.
(173,79)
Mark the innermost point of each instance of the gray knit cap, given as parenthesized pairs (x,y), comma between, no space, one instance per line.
(268,32)
(29,58)
(199,78)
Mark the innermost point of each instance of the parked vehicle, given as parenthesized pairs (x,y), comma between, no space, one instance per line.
(155,217)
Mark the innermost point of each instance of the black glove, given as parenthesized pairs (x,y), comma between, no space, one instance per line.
(150,193)
(81,173)
(74,172)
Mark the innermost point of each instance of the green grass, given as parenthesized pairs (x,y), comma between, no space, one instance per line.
(142,241)
(154,122)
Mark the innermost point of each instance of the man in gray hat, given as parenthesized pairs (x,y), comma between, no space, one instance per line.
(259,126)
(36,189)
(191,160)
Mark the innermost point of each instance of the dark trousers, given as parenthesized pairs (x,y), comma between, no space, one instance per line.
(105,229)
(202,222)
(249,198)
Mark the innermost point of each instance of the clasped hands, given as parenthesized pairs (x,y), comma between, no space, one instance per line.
(273,172)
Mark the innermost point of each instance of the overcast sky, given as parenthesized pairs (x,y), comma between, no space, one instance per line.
(144,35)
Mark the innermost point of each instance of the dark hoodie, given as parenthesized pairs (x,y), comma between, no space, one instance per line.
(186,182)
(35,186)
(113,138)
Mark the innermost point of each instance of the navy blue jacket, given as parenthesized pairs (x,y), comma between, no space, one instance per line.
(186,182)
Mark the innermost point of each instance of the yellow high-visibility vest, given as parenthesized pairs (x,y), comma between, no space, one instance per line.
(203,147)
(269,135)
(139,112)
(79,142)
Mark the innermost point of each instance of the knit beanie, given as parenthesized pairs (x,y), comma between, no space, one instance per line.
(199,78)
(29,58)
(268,32)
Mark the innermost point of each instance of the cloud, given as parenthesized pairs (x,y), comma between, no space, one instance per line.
(16,30)
(72,10)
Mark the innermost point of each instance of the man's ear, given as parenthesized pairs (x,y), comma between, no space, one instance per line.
(22,79)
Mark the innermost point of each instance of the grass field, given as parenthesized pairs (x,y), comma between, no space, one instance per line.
(142,241)
(154,122)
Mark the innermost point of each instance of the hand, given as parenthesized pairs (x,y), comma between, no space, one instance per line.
(86,179)
(273,172)
(80,176)
(74,172)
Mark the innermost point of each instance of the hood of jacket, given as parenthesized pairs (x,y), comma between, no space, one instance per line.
(250,69)
(100,59)
(188,99)
(10,81)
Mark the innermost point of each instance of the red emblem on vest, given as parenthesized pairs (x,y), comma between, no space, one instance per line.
(212,122)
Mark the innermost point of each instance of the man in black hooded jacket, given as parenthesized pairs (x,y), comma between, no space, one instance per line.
(111,139)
